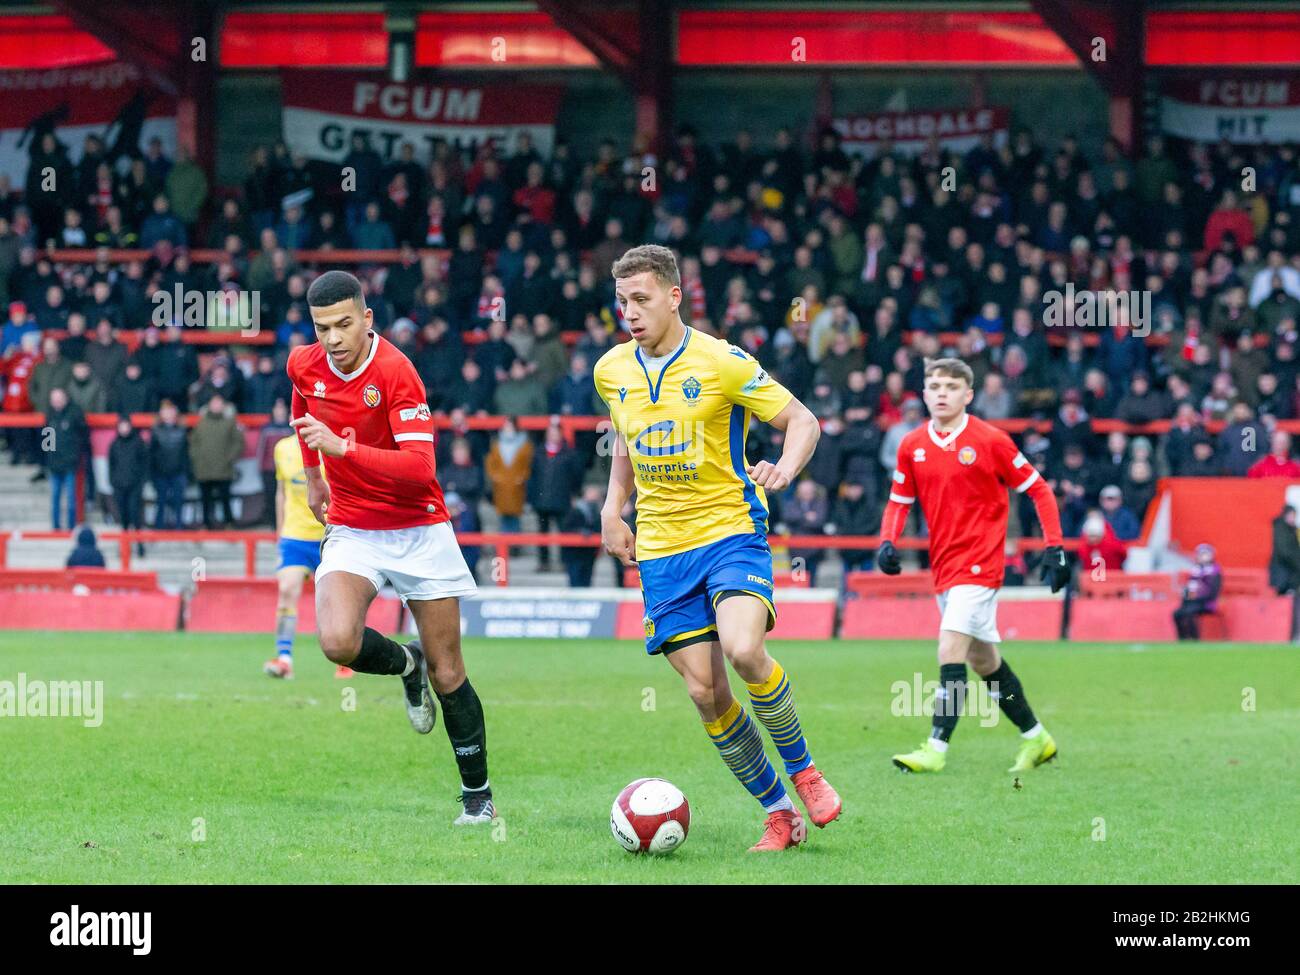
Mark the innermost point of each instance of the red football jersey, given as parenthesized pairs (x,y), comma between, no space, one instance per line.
(961,480)
(379,405)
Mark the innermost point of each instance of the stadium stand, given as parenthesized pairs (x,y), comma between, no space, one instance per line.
(489,268)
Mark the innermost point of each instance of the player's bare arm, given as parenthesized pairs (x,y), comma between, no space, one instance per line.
(802,431)
(318,436)
(615,535)
(318,494)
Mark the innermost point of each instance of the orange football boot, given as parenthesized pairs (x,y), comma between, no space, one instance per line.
(279,667)
(343,672)
(784,828)
(821,801)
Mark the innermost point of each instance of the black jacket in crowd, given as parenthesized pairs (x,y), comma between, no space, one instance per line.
(169,450)
(128,463)
(555,480)
(71,439)
(138,396)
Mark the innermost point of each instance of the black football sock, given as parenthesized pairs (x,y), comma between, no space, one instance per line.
(949,699)
(380,655)
(462,716)
(1005,686)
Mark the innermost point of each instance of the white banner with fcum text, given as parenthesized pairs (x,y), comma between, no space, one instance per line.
(957,129)
(110,99)
(1250,109)
(323,109)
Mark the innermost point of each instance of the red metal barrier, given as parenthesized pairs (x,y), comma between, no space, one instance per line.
(893,618)
(500,542)
(573,424)
(95,580)
(127,540)
(85,599)
(238,605)
(154,611)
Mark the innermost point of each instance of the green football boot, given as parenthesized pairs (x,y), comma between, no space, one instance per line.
(1034,752)
(927,758)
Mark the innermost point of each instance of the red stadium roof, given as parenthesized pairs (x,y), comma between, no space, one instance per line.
(47,41)
(876,38)
(325,40)
(896,36)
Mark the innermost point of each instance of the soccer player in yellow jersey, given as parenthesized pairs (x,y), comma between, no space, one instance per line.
(300,537)
(681,401)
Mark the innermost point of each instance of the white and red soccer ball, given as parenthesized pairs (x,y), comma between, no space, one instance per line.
(650,816)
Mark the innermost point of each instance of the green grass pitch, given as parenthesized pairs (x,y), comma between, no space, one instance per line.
(205,771)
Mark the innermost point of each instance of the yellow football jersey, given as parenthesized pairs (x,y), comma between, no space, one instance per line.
(299,522)
(685,428)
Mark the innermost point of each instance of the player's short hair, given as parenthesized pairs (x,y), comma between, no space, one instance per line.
(952,368)
(332,287)
(658,260)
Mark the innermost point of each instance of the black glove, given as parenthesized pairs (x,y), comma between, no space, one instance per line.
(1056,568)
(887,559)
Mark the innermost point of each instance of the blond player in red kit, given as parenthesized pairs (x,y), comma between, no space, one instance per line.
(359,401)
(960,469)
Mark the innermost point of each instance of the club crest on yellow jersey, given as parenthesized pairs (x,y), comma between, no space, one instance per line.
(691,390)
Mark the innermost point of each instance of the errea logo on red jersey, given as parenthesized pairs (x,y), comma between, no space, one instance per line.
(918,455)
(370,395)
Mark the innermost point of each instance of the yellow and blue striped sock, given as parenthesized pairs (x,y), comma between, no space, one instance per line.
(774,706)
(741,747)
(286,625)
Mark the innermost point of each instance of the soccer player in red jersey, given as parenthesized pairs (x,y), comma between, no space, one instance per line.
(960,468)
(358,401)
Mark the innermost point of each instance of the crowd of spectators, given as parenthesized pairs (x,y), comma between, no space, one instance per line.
(839,274)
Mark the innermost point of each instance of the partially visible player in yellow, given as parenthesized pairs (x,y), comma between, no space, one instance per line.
(681,402)
(300,537)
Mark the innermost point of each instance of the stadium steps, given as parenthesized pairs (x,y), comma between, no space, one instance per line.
(25,506)
(22,503)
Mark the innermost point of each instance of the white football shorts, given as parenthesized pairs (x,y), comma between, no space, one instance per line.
(972,610)
(423,562)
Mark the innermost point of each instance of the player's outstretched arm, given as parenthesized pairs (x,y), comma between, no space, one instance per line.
(802,431)
(413,460)
(615,535)
(1056,566)
(1049,514)
(902,495)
